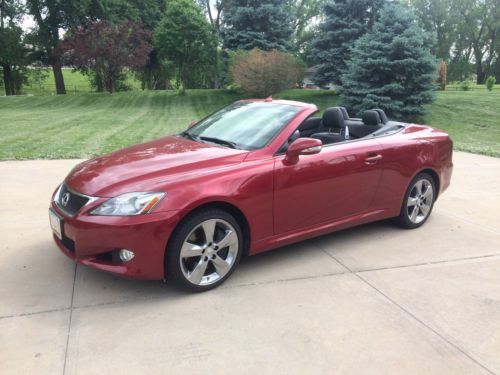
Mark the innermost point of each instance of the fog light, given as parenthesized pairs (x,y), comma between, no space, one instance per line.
(126,255)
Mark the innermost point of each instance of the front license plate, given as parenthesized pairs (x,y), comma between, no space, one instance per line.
(55,223)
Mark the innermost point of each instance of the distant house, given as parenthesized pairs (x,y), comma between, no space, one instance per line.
(308,83)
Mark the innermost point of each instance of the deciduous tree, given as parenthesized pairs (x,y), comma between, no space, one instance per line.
(107,49)
(185,38)
(12,50)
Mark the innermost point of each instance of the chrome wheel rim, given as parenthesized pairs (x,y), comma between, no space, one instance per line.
(209,252)
(420,200)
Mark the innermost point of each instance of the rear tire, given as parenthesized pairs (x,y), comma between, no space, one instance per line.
(204,250)
(418,202)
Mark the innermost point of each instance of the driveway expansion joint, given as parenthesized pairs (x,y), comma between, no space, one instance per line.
(69,321)
(408,312)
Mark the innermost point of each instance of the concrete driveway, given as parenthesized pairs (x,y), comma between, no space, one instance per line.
(374,299)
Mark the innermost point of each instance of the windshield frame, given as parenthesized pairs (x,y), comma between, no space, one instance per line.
(188,132)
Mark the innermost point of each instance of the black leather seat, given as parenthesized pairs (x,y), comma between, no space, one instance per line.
(371,123)
(334,125)
(310,126)
(381,113)
(349,121)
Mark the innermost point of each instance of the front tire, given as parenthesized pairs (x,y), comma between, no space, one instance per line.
(418,202)
(204,250)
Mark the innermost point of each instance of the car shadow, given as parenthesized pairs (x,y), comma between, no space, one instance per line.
(303,259)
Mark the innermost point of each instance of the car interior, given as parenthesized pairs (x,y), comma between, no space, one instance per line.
(336,126)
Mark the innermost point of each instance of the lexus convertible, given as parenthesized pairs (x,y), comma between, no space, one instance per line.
(253,176)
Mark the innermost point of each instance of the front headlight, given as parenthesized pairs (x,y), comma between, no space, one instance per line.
(129,204)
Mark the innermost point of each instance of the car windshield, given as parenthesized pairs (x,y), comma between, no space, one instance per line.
(244,125)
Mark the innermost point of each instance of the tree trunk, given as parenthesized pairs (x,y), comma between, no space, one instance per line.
(8,81)
(58,77)
(478,56)
(99,82)
(479,73)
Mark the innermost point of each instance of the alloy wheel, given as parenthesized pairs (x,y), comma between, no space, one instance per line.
(209,252)
(420,201)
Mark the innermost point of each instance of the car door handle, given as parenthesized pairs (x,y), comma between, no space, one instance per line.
(372,159)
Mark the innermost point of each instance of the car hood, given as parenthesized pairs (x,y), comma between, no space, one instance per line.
(146,166)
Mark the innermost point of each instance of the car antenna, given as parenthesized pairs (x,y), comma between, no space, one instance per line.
(269,98)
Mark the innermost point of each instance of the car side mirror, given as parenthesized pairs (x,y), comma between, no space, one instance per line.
(302,146)
(192,123)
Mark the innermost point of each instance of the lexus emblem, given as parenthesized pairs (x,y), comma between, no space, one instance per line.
(65,199)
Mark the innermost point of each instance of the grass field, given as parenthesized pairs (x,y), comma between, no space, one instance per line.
(88,124)
(75,82)
(85,125)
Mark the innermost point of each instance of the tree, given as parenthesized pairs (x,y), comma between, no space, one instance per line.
(262,24)
(263,73)
(106,49)
(481,25)
(441,75)
(155,75)
(439,17)
(213,9)
(186,39)
(53,16)
(12,59)
(391,67)
(345,21)
(305,12)
(12,51)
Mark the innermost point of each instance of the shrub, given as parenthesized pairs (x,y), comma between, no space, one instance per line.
(264,73)
(441,75)
(490,82)
(465,85)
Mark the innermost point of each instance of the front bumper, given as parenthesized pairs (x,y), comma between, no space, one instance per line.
(92,241)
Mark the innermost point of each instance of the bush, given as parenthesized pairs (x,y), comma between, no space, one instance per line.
(490,82)
(465,85)
(264,73)
(441,75)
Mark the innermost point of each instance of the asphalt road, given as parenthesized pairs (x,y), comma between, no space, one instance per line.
(370,300)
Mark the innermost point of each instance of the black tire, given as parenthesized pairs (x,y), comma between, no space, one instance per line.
(175,268)
(404,219)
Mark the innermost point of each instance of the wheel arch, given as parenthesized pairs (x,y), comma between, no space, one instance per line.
(435,177)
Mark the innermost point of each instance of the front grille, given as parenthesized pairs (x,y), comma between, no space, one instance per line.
(69,201)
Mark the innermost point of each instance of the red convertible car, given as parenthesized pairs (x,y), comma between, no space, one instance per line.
(250,177)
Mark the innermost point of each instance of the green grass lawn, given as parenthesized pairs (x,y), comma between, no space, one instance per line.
(74,81)
(87,124)
(472,118)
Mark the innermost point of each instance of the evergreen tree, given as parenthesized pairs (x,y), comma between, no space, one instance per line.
(262,24)
(345,21)
(391,67)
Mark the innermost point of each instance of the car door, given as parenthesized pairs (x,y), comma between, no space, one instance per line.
(339,181)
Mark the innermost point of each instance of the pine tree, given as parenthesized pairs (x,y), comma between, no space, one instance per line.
(262,24)
(345,21)
(391,67)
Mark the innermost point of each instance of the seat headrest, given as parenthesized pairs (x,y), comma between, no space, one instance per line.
(344,113)
(333,118)
(371,118)
(381,113)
